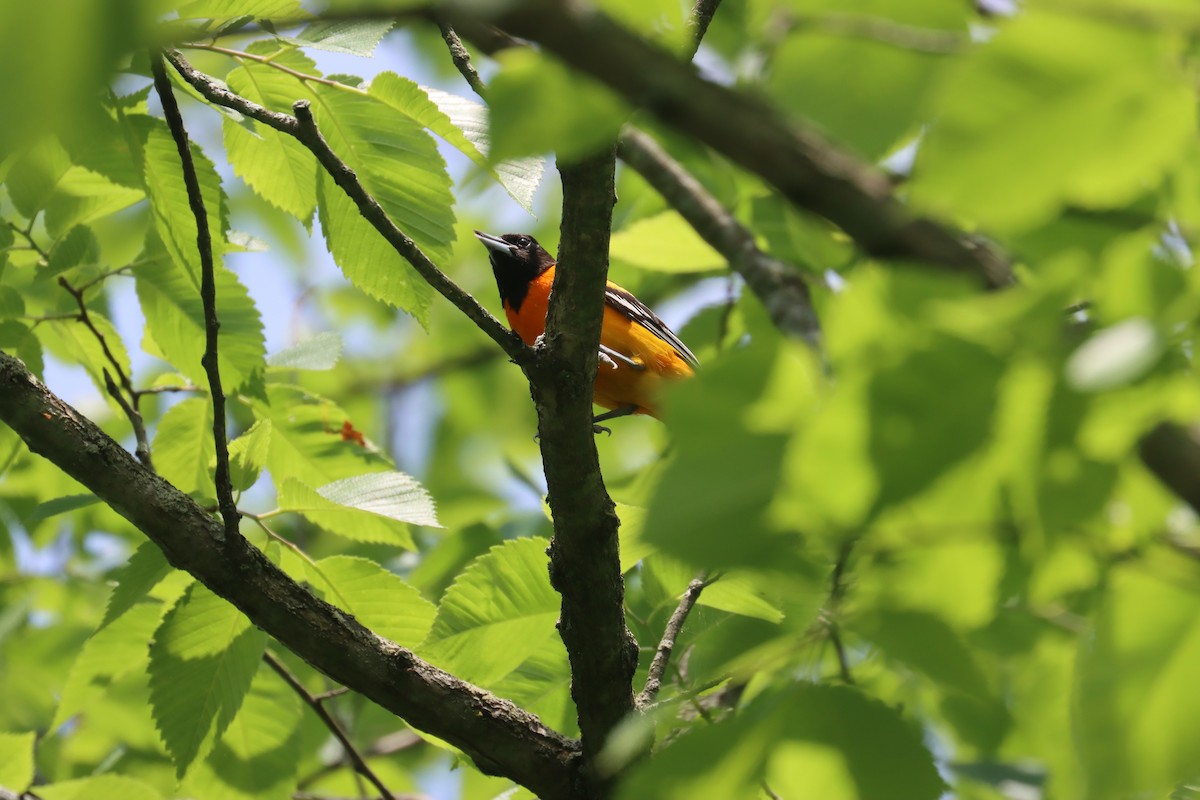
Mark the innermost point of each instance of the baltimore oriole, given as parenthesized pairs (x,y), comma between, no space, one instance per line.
(637,349)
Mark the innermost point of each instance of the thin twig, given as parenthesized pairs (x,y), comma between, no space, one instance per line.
(208,294)
(779,287)
(662,656)
(130,410)
(462,58)
(27,235)
(352,754)
(332,693)
(303,77)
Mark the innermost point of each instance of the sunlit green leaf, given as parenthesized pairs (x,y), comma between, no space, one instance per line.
(1138,724)
(16,760)
(175,320)
(183,446)
(257,756)
(201,663)
(377,598)
(497,613)
(664,242)
(399,165)
(320,352)
(1082,110)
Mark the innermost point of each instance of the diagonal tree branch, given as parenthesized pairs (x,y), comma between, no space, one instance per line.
(778,286)
(808,170)
(310,137)
(498,736)
(208,294)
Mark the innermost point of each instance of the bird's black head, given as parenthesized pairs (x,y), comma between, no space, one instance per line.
(516,259)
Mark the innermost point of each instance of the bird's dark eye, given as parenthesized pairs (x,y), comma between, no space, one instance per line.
(524,241)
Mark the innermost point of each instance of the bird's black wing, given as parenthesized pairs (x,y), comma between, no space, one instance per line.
(637,311)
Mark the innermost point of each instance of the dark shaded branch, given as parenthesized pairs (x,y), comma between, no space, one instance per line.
(461,58)
(497,735)
(662,655)
(310,137)
(208,293)
(806,169)
(356,759)
(779,287)
(114,391)
(584,559)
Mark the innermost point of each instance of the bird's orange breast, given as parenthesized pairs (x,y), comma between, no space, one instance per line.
(616,387)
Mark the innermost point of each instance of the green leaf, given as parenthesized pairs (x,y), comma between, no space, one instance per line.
(742,593)
(1138,721)
(917,436)
(850,747)
(892,79)
(1082,111)
(259,755)
(175,320)
(320,352)
(538,106)
(377,507)
(99,787)
(463,124)
(172,213)
(83,44)
(202,661)
(231,9)
(63,505)
(665,243)
(498,613)
(520,177)
(800,239)
(16,760)
(308,441)
(78,247)
(83,196)
(389,494)
(276,166)
(379,599)
(183,447)
(926,644)
(11,302)
(398,163)
(113,650)
(354,37)
(724,475)
(145,568)
(248,455)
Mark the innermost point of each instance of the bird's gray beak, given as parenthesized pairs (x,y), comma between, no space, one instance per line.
(495,243)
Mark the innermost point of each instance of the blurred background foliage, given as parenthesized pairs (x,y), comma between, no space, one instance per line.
(942,565)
